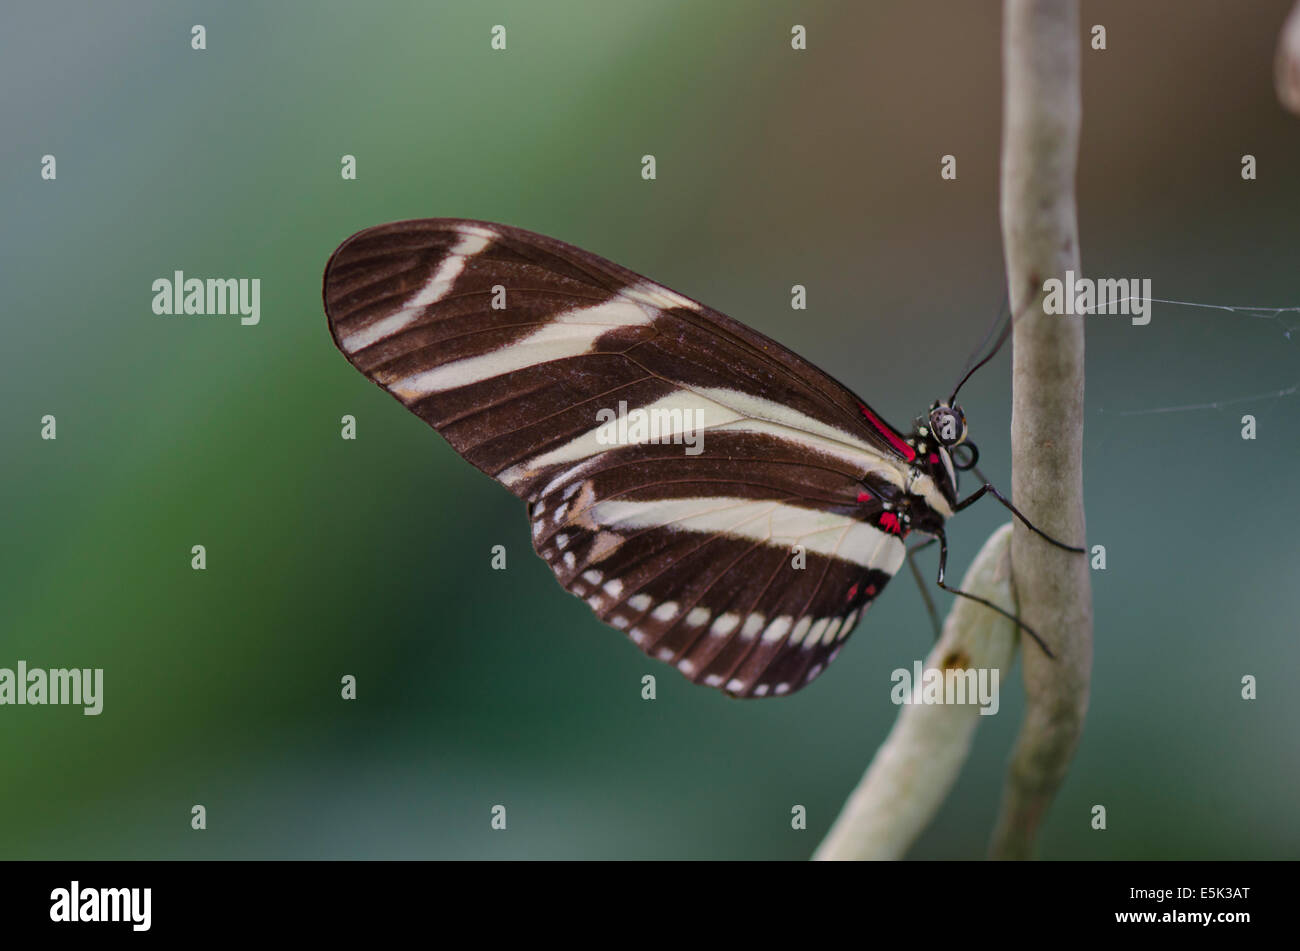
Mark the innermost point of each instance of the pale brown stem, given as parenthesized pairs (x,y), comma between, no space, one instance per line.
(1042,110)
(1286,66)
(912,772)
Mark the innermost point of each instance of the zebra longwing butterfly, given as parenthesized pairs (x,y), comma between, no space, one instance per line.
(744,557)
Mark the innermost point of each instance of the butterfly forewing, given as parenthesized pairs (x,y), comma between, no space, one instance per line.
(738,542)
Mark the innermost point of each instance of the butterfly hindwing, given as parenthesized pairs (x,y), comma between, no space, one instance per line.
(740,546)
(752,592)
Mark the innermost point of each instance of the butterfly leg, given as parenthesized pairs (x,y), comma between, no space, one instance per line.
(943,564)
(988,487)
(921,586)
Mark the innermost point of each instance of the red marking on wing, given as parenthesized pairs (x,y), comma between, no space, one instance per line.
(890,523)
(871,590)
(881,427)
(864,496)
(853,593)
(934,458)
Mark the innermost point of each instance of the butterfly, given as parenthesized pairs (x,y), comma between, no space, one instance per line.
(730,507)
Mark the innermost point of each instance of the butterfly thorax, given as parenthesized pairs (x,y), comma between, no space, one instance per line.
(929,493)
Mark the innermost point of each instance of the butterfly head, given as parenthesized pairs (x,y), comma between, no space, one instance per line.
(947,424)
(937,436)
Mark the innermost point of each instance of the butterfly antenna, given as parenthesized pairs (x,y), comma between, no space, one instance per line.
(1002,338)
(988,334)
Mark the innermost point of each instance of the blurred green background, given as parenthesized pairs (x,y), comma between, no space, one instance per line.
(371,557)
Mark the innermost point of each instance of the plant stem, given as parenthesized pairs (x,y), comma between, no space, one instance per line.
(1041,117)
(911,773)
(1286,66)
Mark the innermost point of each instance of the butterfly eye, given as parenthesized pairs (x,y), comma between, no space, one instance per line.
(966,460)
(948,424)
